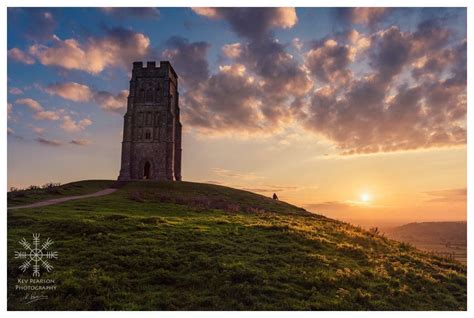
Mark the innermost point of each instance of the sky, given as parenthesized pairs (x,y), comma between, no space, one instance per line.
(355,113)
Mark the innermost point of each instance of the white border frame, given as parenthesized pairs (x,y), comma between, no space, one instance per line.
(227,3)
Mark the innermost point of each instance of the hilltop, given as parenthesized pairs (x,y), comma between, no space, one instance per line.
(190,246)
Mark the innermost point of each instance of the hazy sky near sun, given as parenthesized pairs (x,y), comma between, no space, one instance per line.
(357,114)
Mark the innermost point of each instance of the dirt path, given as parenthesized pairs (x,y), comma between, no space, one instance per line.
(61,200)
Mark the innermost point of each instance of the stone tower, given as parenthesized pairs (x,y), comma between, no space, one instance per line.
(151,147)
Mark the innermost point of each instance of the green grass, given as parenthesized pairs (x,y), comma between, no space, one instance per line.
(190,246)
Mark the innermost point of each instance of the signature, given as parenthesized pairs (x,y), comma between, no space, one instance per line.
(31,298)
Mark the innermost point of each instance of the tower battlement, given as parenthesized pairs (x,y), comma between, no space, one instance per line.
(139,67)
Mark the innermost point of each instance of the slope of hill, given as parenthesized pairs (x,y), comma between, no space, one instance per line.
(182,245)
(444,238)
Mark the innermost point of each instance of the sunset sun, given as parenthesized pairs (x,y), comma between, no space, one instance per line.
(365,197)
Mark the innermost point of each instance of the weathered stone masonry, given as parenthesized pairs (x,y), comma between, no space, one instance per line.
(151,147)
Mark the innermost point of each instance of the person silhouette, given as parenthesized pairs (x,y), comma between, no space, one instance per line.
(275,197)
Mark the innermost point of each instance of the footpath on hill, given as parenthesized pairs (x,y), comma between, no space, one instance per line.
(61,200)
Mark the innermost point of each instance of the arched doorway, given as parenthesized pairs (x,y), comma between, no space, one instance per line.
(146,170)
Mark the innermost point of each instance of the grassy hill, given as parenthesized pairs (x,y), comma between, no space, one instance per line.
(190,246)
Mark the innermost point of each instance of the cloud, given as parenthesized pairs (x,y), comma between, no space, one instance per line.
(329,61)
(379,112)
(273,84)
(207,12)
(12,133)
(37,130)
(297,43)
(48,142)
(365,16)
(134,12)
(448,195)
(15,91)
(113,103)
(71,91)
(118,47)
(82,93)
(80,142)
(188,58)
(408,91)
(227,101)
(48,115)
(233,50)
(19,56)
(359,41)
(263,54)
(375,125)
(31,103)
(390,53)
(70,125)
(252,22)
(38,109)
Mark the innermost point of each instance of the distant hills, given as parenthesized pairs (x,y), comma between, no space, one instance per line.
(444,238)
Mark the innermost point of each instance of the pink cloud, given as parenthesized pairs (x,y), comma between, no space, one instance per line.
(118,47)
(18,55)
(31,103)
(71,91)
(70,125)
(113,103)
(48,115)
(15,91)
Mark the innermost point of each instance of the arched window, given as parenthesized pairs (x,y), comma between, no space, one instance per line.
(147,135)
(141,98)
